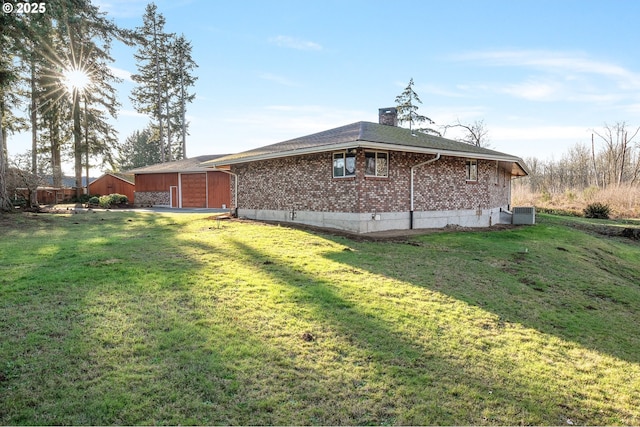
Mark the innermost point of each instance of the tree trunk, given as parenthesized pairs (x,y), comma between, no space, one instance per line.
(183,114)
(5,201)
(156,55)
(86,141)
(77,143)
(624,155)
(56,158)
(593,157)
(33,197)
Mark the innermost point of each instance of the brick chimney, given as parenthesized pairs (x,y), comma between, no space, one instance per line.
(388,116)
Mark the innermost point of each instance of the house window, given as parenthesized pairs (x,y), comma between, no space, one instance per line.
(376,163)
(472,170)
(344,164)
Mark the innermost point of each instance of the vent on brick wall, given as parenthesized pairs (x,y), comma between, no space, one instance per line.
(524,215)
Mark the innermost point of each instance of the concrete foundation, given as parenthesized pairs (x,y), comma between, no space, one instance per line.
(382,221)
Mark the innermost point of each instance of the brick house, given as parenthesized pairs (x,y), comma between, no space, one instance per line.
(366,177)
(183,183)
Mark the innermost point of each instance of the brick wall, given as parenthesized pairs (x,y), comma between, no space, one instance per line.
(302,183)
(149,198)
(306,183)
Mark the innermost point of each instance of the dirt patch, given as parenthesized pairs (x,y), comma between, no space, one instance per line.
(23,219)
(401,236)
(632,233)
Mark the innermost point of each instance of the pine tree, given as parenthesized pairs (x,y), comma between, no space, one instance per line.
(165,76)
(183,68)
(73,36)
(150,96)
(140,149)
(408,110)
(12,30)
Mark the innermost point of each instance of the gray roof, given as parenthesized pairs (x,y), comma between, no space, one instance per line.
(127,177)
(193,164)
(370,135)
(67,181)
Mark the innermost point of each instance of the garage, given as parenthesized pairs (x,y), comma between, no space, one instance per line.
(185,183)
(193,189)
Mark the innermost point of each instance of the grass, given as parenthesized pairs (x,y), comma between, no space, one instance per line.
(132,318)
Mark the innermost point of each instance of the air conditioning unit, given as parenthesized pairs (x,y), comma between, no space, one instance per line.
(524,215)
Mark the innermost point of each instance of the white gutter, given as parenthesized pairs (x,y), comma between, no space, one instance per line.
(367,145)
(412,172)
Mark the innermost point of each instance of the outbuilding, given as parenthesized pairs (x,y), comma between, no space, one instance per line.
(111,183)
(185,183)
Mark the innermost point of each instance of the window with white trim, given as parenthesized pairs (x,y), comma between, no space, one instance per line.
(344,164)
(376,163)
(472,170)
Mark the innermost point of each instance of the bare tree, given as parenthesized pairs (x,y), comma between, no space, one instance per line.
(475,133)
(22,177)
(616,151)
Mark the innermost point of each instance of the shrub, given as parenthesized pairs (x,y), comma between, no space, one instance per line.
(94,200)
(84,198)
(558,211)
(104,202)
(120,199)
(113,199)
(597,210)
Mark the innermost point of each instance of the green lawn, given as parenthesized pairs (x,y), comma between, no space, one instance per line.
(134,318)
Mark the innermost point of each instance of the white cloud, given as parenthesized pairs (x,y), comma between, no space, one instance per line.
(122,8)
(120,73)
(537,141)
(538,133)
(131,113)
(294,43)
(441,91)
(281,80)
(533,90)
(553,62)
(277,123)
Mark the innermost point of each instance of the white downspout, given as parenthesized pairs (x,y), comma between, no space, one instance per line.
(235,187)
(412,172)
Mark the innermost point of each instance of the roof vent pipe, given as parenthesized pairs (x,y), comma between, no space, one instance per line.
(436,158)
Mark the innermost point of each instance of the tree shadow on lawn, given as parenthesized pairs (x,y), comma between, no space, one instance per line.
(92,337)
(145,349)
(596,307)
(417,378)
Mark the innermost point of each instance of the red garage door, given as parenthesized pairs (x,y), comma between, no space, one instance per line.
(219,189)
(194,190)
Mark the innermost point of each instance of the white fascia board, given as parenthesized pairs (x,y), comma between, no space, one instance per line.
(202,169)
(369,145)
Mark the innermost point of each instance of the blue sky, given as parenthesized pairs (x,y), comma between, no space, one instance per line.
(541,74)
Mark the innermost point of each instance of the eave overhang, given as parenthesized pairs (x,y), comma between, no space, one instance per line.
(518,167)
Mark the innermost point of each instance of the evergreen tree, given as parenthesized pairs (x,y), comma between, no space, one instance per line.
(140,149)
(72,36)
(12,30)
(150,96)
(183,68)
(89,39)
(408,110)
(165,76)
